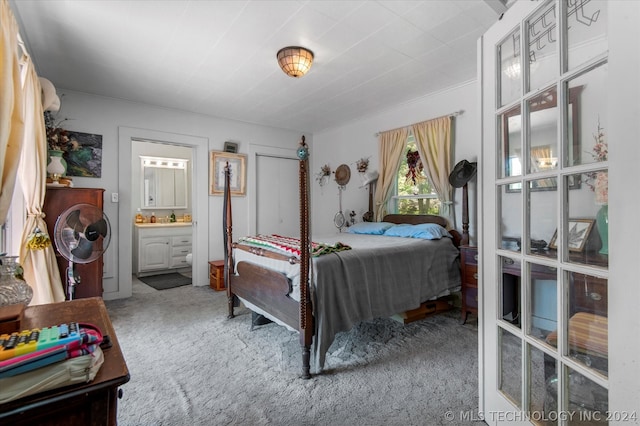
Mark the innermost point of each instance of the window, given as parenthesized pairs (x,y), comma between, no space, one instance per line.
(413,197)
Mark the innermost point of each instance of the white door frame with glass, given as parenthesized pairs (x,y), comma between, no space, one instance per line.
(555,295)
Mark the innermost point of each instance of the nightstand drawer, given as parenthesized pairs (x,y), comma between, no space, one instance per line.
(470,275)
(469,255)
(589,294)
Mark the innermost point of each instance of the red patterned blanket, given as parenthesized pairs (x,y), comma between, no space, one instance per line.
(291,245)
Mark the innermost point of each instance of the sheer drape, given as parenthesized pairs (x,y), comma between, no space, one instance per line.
(433,140)
(392,145)
(39,264)
(11,122)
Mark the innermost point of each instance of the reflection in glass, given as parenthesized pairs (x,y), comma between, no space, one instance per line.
(588,321)
(544,302)
(587,229)
(510,291)
(542,54)
(542,216)
(587,397)
(543,387)
(511,143)
(543,132)
(510,366)
(510,75)
(593,115)
(510,213)
(587,30)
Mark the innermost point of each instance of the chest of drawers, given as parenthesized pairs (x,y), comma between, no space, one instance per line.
(469,264)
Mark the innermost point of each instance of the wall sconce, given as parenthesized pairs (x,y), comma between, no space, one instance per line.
(295,61)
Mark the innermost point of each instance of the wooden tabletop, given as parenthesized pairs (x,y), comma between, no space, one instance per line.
(91,310)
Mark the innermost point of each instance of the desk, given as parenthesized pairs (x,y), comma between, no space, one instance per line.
(93,403)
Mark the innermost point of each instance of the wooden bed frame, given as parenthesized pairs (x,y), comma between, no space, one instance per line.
(272,293)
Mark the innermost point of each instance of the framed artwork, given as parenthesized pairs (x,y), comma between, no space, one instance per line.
(230,147)
(237,163)
(579,230)
(83,154)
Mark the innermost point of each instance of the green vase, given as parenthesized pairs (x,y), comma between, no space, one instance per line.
(602,222)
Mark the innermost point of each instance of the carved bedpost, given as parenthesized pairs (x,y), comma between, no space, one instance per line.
(465,216)
(306,315)
(228,238)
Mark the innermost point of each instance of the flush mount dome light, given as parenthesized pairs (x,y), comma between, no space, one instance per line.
(295,61)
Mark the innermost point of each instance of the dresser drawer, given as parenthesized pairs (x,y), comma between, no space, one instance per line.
(180,251)
(179,262)
(469,255)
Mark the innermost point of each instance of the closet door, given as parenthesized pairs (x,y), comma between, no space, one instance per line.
(550,106)
(277,196)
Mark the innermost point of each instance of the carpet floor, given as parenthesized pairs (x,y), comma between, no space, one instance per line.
(190,365)
(166,281)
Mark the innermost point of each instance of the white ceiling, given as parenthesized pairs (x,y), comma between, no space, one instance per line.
(219,57)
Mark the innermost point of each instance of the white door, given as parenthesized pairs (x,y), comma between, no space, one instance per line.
(559,335)
(277,195)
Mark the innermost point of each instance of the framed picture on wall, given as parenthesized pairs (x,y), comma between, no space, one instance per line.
(579,230)
(230,147)
(237,163)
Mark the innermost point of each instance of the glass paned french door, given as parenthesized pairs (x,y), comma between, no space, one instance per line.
(549,324)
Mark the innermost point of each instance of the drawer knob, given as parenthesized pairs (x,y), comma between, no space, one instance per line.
(475,275)
(595,296)
(508,261)
(475,257)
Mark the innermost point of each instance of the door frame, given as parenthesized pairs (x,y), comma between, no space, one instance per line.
(200,204)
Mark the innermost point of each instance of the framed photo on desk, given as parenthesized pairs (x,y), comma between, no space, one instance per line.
(579,230)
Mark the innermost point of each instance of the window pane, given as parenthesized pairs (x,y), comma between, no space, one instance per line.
(510,75)
(588,323)
(542,54)
(511,146)
(587,30)
(418,206)
(543,131)
(589,93)
(510,366)
(511,274)
(588,224)
(542,202)
(511,212)
(587,399)
(543,310)
(543,387)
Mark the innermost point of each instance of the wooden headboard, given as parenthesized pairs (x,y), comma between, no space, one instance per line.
(415,219)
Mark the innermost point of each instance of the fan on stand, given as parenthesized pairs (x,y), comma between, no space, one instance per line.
(82,234)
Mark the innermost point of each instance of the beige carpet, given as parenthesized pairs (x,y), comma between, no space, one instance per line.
(190,365)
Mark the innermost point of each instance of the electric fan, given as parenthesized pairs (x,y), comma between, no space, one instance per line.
(82,233)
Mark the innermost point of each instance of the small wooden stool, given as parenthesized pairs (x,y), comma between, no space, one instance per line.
(216,275)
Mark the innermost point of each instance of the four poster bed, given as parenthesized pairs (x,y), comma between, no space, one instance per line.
(341,279)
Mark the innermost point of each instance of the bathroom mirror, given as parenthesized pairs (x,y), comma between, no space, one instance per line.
(164,182)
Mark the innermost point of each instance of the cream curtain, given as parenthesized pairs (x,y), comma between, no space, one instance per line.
(11,121)
(433,139)
(40,266)
(392,145)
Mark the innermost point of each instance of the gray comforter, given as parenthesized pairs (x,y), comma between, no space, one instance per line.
(381,276)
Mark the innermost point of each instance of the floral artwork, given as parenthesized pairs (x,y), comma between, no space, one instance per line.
(598,182)
(362,165)
(323,176)
(83,154)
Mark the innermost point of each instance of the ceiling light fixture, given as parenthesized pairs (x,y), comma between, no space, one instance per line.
(295,61)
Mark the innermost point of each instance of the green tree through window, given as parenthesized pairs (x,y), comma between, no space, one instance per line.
(410,197)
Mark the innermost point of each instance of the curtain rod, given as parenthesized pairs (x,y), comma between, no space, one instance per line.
(453,114)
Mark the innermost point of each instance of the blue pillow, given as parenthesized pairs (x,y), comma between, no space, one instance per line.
(371,228)
(425,231)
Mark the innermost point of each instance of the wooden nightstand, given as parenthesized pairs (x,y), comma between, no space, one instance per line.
(216,275)
(469,265)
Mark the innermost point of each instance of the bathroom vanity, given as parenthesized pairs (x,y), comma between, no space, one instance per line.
(161,247)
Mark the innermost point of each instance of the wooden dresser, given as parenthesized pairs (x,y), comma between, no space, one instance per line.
(56,201)
(469,265)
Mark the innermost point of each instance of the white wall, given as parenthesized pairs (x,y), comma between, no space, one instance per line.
(101,115)
(356,140)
